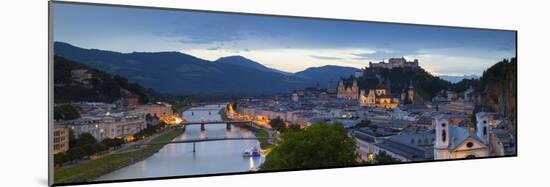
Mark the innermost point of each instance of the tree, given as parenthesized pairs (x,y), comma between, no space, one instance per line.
(293,128)
(85,139)
(65,112)
(59,159)
(72,138)
(89,149)
(384,158)
(278,124)
(75,154)
(320,145)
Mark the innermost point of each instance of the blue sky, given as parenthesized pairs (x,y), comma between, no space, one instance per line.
(288,44)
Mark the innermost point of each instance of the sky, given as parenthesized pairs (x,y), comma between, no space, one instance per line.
(287,44)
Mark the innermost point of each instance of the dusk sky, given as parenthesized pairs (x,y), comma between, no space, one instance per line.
(287,44)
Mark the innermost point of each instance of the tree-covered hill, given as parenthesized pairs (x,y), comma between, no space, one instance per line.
(498,88)
(102,87)
(397,80)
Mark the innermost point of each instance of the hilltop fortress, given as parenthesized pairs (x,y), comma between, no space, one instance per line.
(395,63)
(380,95)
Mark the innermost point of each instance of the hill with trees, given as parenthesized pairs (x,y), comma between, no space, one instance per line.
(498,88)
(426,86)
(101,87)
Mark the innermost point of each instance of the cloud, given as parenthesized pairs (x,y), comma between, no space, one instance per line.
(326,57)
(213,48)
(380,55)
(453,64)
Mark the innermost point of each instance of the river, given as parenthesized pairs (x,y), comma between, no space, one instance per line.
(210,157)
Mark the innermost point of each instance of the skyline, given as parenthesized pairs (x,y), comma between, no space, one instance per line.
(287,44)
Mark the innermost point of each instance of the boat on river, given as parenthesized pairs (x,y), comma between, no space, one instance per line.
(253,152)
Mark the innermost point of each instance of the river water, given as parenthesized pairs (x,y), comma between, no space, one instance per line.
(210,157)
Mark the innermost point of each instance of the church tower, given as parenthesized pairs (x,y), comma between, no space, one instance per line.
(410,93)
(441,137)
(354,90)
(482,127)
(341,89)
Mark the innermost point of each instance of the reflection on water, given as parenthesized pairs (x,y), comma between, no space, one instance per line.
(209,158)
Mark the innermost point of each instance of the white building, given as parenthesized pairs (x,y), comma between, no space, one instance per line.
(117,125)
(460,142)
(160,110)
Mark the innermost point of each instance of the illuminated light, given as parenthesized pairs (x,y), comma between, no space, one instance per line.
(370,158)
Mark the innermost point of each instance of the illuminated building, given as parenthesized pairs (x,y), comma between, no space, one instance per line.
(378,98)
(60,139)
(410,93)
(348,92)
(116,125)
(160,110)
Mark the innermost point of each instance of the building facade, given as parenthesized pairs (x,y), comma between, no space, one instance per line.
(395,63)
(460,142)
(118,125)
(81,76)
(159,110)
(378,97)
(348,92)
(60,139)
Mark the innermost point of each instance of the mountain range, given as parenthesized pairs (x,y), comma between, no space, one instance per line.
(180,73)
(456,79)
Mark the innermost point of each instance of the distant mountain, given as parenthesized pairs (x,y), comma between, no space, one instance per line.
(179,73)
(245,62)
(456,79)
(326,74)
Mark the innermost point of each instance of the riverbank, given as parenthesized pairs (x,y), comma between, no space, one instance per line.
(260,133)
(96,168)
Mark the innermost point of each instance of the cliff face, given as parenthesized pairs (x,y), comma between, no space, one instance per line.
(499,87)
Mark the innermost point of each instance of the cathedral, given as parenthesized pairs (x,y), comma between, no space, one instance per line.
(454,142)
(348,92)
(378,97)
(381,98)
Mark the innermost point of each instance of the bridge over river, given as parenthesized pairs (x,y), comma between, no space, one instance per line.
(199,140)
(227,122)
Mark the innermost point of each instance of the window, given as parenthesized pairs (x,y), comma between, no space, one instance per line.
(471,156)
(443,136)
(469,144)
(485,131)
(443,125)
